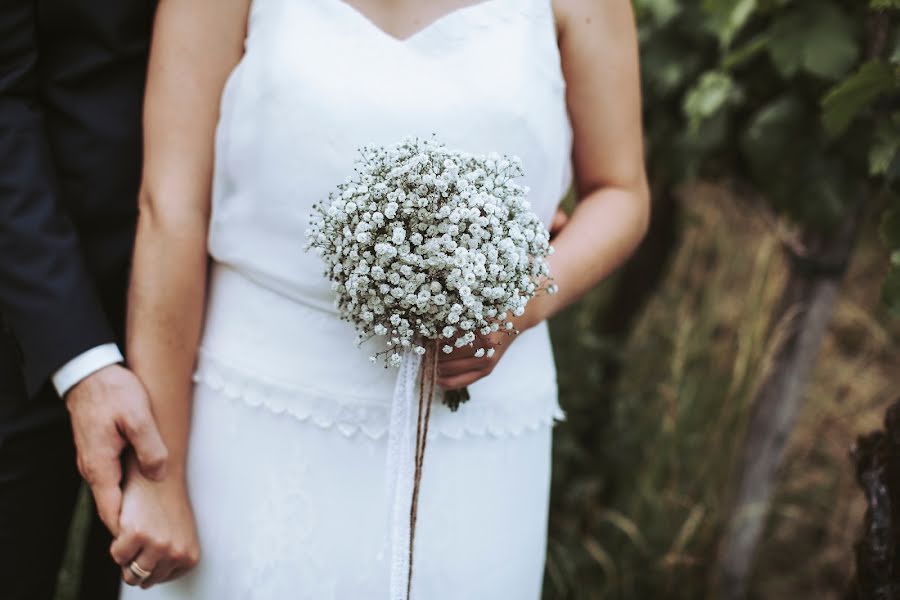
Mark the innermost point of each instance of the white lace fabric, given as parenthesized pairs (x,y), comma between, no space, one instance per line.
(366,418)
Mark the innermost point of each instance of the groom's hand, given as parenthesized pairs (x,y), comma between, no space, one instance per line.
(110,410)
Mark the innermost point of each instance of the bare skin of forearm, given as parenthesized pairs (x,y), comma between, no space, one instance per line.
(164,321)
(195,46)
(602,232)
(598,47)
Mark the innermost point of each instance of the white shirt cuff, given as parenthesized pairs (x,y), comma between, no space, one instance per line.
(86,363)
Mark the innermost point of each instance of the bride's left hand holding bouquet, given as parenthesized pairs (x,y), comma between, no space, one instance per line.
(434,249)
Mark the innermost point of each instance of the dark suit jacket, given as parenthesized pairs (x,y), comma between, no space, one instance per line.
(71,84)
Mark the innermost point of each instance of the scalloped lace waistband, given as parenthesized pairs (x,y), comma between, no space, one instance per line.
(352,416)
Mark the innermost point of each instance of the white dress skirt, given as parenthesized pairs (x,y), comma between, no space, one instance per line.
(291,422)
(289,509)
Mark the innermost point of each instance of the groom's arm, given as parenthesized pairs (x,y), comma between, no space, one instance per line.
(46,294)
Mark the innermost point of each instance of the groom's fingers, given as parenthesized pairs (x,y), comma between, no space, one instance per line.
(140,429)
(103,474)
(108,498)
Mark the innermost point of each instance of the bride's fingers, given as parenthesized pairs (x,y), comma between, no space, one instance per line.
(161,572)
(125,548)
(131,547)
(461,365)
(462,380)
(144,561)
(178,572)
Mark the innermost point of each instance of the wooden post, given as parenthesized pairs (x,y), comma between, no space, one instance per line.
(799,324)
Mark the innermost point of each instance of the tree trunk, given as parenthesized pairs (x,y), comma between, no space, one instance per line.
(800,322)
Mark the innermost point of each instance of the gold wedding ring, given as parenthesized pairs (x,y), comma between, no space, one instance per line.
(137,571)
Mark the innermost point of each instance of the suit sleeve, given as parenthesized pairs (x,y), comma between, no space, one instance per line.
(46,293)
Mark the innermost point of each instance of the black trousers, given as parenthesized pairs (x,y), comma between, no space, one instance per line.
(39,484)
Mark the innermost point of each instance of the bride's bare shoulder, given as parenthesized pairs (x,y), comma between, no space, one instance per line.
(593,17)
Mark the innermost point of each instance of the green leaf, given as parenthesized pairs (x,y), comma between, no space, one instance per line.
(729,17)
(745,53)
(660,11)
(817,38)
(845,101)
(787,161)
(773,132)
(711,92)
(885,147)
(665,67)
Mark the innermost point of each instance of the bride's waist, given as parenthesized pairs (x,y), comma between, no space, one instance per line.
(281,338)
(262,330)
(274,350)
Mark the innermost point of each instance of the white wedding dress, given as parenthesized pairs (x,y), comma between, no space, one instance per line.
(290,429)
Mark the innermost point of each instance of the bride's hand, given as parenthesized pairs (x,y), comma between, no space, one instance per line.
(464,366)
(156,529)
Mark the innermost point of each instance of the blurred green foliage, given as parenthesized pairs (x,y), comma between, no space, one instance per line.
(795,103)
(800,99)
(644,464)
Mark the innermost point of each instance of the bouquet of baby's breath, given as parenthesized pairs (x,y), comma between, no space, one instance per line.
(430,244)
(431,248)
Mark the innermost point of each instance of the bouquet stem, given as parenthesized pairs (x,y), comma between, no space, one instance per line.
(428,376)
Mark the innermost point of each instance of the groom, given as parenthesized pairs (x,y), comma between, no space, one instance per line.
(71,84)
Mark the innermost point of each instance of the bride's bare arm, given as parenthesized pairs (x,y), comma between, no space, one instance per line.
(599,50)
(196,44)
(598,47)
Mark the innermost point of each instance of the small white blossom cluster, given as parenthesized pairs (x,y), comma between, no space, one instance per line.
(427,243)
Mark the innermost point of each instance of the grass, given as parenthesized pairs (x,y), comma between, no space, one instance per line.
(643,471)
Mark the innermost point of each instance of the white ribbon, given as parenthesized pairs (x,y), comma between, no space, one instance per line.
(401,469)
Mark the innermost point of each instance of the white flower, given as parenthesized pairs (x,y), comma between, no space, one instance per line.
(479,353)
(447,349)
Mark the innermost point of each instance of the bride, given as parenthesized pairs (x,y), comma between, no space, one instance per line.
(276,423)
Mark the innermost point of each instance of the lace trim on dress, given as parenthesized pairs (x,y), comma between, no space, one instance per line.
(354,416)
